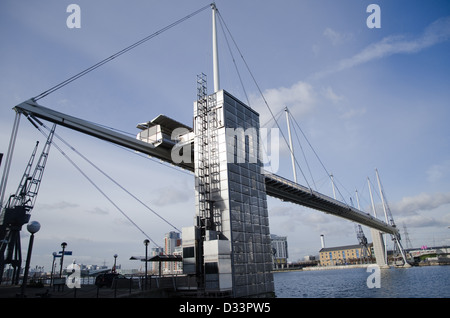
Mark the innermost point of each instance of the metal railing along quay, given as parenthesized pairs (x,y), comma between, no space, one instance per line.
(132,286)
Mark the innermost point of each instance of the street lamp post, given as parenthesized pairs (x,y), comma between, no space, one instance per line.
(53,268)
(146,259)
(32,227)
(63,246)
(114,267)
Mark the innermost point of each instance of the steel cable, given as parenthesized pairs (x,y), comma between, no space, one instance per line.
(112,57)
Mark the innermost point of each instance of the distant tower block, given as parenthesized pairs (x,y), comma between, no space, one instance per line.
(232,220)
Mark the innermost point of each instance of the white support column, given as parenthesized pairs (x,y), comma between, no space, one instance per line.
(378,248)
(377,238)
(291,148)
(384,209)
(357,200)
(215,50)
(390,221)
(382,197)
(332,184)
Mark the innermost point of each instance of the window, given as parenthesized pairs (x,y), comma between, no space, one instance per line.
(188,252)
(211,268)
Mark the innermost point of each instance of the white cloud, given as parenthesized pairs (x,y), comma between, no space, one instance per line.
(437,32)
(171,195)
(278,211)
(438,172)
(300,98)
(419,221)
(421,202)
(332,96)
(293,218)
(98,211)
(337,38)
(345,110)
(57,206)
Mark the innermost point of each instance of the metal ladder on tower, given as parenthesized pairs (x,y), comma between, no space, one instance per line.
(202,169)
(208,164)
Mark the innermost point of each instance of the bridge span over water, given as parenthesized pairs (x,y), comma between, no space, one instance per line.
(276,186)
(228,249)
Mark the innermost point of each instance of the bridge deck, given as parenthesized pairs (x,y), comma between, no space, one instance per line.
(276,186)
(287,190)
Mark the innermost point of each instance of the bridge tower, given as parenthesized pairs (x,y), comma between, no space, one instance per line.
(379,246)
(229,247)
(396,238)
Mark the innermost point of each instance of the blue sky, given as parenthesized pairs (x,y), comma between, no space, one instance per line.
(365,98)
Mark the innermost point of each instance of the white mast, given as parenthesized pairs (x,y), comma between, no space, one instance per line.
(215,50)
(357,200)
(382,198)
(291,148)
(385,212)
(332,184)
(390,221)
(371,198)
(379,244)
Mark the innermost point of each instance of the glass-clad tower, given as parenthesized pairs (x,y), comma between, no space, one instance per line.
(230,245)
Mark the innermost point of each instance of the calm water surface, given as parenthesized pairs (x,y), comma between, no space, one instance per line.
(423,282)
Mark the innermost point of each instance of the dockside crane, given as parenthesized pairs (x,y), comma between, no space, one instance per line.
(362,241)
(17,210)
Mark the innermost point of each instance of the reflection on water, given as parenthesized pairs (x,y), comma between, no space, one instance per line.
(424,282)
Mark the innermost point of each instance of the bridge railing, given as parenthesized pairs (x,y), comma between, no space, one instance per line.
(288,190)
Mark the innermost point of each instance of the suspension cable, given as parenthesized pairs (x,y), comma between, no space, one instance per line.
(270,110)
(97,187)
(114,181)
(317,156)
(234,62)
(304,155)
(112,57)
(260,92)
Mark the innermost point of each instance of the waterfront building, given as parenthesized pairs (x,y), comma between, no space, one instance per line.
(346,255)
(172,246)
(279,250)
(153,266)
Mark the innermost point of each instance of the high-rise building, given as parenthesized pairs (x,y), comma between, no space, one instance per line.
(172,246)
(153,266)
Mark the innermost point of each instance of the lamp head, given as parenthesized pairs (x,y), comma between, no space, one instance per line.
(33,227)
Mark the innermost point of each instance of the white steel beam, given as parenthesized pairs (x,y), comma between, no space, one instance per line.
(32,108)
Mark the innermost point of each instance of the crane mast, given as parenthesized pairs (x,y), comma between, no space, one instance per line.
(19,197)
(16,211)
(363,242)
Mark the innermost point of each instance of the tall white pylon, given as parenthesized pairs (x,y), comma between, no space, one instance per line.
(215,50)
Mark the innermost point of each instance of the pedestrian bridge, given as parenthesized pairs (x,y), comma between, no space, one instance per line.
(286,190)
(276,186)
